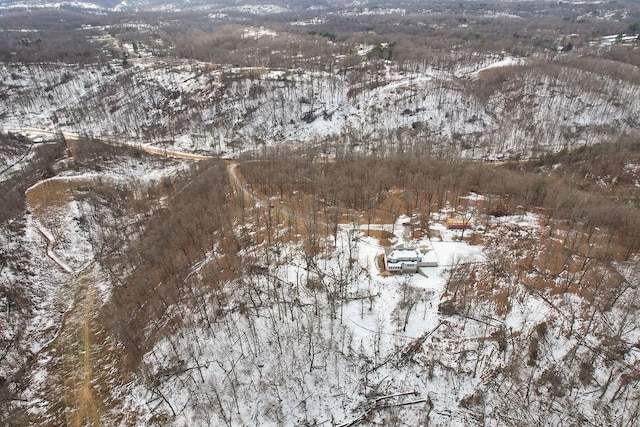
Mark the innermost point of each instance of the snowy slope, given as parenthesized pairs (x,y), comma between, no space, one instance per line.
(281,351)
(505,109)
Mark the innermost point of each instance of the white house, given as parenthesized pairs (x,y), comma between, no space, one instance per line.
(404,260)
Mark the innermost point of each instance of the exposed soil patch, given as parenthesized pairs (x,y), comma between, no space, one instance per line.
(384,237)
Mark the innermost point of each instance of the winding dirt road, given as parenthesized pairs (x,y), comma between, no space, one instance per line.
(32,132)
(76,342)
(71,351)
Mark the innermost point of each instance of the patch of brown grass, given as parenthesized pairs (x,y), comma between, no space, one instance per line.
(380,263)
(48,193)
(384,237)
(474,238)
(503,305)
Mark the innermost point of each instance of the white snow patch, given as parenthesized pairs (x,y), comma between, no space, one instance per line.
(259,32)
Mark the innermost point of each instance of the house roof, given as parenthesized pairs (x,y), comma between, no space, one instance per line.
(404,254)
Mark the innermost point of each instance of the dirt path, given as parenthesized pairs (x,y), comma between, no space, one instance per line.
(31,132)
(70,350)
(240,185)
(51,253)
(87,407)
(238,182)
(73,388)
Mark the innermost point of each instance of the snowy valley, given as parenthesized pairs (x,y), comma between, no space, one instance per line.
(495,109)
(199,221)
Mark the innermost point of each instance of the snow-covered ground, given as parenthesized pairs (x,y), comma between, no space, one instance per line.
(257,9)
(331,340)
(325,337)
(52,246)
(202,108)
(264,362)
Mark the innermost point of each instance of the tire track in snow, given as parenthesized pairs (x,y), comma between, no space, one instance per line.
(51,243)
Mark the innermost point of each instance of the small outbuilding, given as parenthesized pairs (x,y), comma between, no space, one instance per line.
(457,223)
